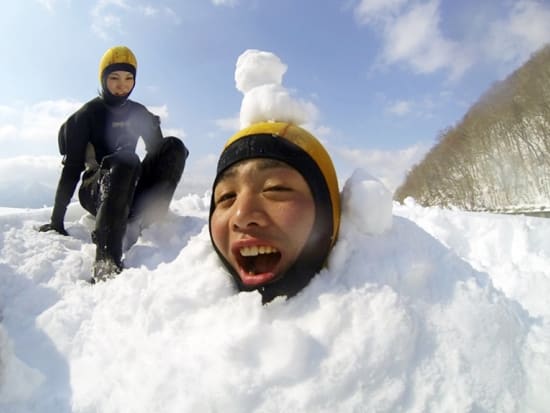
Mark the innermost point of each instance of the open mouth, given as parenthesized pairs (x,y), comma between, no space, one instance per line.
(257,263)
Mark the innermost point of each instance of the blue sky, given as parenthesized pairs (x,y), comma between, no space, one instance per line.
(386,76)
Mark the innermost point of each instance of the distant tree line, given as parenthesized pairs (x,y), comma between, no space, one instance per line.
(498,157)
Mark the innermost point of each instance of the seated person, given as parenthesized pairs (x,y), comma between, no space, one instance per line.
(116,187)
(275,208)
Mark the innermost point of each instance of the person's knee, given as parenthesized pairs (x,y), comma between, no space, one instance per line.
(171,144)
(171,160)
(121,160)
(119,172)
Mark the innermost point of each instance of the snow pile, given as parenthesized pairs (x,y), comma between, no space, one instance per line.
(416,317)
(365,192)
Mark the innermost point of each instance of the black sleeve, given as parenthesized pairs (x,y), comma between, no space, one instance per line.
(151,134)
(156,135)
(73,137)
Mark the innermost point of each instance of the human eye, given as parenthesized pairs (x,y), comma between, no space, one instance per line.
(277,188)
(277,191)
(224,198)
(277,184)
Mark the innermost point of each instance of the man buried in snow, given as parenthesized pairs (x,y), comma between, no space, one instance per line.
(275,208)
(117,188)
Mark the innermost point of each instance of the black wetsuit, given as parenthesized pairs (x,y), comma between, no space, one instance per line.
(101,140)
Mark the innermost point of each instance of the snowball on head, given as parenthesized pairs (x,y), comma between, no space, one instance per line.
(259,76)
(367,203)
(256,68)
(274,103)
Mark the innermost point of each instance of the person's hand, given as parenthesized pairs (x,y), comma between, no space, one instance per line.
(52,226)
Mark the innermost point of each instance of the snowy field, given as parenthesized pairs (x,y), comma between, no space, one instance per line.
(419,310)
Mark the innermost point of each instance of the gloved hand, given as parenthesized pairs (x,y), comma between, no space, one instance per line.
(53,226)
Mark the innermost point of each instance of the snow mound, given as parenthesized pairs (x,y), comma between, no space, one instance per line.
(417,310)
(367,203)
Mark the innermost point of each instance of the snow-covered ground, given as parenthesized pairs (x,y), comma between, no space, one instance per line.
(419,310)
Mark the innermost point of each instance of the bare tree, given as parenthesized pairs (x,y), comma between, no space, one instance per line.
(498,157)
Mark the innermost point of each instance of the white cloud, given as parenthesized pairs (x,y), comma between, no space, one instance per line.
(52,5)
(7,132)
(198,176)
(230,3)
(35,187)
(369,11)
(161,111)
(207,163)
(36,123)
(42,120)
(390,167)
(43,169)
(228,124)
(105,23)
(7,111)
(108,16)
(525,29)
(164,114)
(400,108)
(172,15)
(149,11)
(319,131)
(415,38)
(177,132)
(105,3)
(48,4)
(412,34)
(421,107)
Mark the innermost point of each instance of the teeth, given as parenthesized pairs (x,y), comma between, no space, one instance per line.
(254,251)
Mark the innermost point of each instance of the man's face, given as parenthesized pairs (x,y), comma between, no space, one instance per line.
(264,213)
(120,82)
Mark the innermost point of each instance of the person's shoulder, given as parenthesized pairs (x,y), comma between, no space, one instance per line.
(96,103)
(134,105)
(141,111)
(82,113)
(93,105)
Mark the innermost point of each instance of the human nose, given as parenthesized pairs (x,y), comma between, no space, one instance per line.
(119,85)
(249,212)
